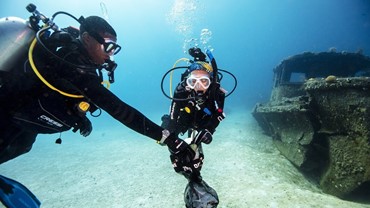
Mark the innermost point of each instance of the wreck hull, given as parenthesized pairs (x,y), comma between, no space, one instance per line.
(291,129)
(344,110)
(322,125)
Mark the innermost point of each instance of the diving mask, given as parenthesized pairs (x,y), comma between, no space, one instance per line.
(198,82)
(108,46)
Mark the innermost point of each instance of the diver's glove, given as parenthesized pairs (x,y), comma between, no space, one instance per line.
(197,54)
(84,126)
(174,144)
(185,163)
(203,136)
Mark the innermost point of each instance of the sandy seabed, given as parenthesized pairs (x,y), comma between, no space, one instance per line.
(120,168)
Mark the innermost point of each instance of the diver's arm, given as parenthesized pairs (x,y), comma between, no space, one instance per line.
(127,115)
(212,124)
(118,109)
(217,116)
(173,114)
(89,84)
(176,107)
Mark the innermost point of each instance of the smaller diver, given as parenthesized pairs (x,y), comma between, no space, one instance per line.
(196,109)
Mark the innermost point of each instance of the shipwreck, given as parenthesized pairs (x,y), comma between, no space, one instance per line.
(318,116)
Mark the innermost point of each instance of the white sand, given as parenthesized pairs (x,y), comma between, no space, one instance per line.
(124,169)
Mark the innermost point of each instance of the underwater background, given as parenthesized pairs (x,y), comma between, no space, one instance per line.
(248,38)
(116,167)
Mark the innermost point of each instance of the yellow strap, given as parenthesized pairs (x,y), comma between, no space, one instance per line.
(181,59)
(30,57)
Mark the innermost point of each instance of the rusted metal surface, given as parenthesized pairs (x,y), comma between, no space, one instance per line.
(319,117)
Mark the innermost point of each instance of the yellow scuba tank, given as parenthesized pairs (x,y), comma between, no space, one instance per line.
(15,39)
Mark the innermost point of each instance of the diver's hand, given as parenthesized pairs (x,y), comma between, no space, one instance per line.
(84,126)
(203,136)
(184,162)
(175,144)
(197,54)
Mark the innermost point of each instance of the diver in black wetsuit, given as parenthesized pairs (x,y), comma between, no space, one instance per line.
(196,109)
(52,93)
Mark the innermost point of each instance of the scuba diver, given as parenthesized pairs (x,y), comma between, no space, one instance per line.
(51,88)
(196,109)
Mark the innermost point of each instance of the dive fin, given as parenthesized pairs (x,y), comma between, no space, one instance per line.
(13,194)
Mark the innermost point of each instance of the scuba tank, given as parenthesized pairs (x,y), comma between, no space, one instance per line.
(15,38)
(41,113)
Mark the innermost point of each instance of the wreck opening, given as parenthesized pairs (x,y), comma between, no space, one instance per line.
(360,194)
(291,73)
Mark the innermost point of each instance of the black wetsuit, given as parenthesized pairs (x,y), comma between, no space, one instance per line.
(28,107)
(200,113)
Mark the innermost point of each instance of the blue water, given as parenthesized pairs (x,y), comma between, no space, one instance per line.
(247,37)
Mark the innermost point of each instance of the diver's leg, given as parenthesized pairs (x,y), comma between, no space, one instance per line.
(15,142)
(197,165)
